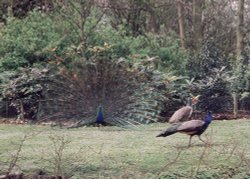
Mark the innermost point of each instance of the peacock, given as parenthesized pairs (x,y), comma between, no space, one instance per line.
(100,117)
(191,128)
(128,95)
(184,113)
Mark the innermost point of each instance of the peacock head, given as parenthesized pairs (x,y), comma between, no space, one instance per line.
(100,108)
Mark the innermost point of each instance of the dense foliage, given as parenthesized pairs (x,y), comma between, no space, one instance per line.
(56,35)
(39,43)
(27,41)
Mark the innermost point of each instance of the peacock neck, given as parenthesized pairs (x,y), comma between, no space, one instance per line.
(100,114)
(208,118)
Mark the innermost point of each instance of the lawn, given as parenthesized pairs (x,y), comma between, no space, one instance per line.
(111,152)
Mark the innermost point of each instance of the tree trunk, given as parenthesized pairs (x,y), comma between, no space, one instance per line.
(197,23)
(239,29)
(181,23)
(10,12)
(239,57)
(153,25)
(235,104)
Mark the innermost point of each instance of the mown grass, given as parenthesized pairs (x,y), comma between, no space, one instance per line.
(111,152)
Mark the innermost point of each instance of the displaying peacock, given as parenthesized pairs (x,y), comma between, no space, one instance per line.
(191,128)
(129,93)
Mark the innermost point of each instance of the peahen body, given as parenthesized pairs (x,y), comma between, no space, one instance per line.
(191,128)
(184,113)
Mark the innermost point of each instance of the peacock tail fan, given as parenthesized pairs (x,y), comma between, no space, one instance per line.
(129,94)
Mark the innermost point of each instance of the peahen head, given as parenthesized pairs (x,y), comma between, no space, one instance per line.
(193,100)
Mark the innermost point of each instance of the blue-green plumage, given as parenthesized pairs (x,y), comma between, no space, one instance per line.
(100,118)
(192,127)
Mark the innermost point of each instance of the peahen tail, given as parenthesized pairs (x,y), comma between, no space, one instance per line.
(171,130)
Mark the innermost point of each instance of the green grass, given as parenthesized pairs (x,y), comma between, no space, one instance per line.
(111,152)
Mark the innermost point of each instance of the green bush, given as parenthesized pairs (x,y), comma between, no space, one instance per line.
(24,42)
(208,57)
(245,94)
(164,46)
(39,38)
(215,90)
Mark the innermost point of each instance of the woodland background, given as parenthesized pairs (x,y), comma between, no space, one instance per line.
(61,60)
(54,52)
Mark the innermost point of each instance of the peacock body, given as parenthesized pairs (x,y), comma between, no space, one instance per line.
(191,128)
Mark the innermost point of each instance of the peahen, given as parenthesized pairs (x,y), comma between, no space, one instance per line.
(192,127)
(184,113)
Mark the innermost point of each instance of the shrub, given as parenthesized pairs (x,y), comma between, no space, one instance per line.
(164,46)
(215,90)
(207,58)
(24,42)
(25,91)
(39,38)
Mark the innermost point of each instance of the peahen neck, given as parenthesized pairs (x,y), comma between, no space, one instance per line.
(189,102)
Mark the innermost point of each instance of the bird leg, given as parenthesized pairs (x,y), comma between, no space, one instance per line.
(201,139)
(190,138)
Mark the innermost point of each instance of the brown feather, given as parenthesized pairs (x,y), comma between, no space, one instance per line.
(189,126)
(182,114)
